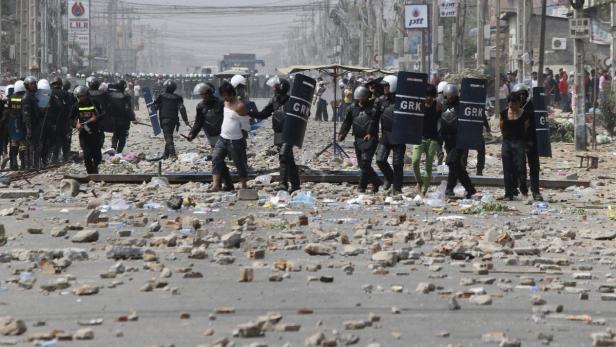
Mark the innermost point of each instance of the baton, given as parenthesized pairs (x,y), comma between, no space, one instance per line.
(43,125)
(146,124)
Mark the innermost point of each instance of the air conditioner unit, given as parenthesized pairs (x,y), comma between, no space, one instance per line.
(559,43)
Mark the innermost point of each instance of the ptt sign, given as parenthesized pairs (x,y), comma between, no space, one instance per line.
(416,16)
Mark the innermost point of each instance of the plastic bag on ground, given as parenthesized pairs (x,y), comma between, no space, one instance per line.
(488,198)
(159,182)
(188,157)
(303,198)
(585,194)
(436,198)
(263,179)
(442,169)
(459,191)
(361,200)
(540,207)
(418,200)
(280,200)
(118,205)
(466,203)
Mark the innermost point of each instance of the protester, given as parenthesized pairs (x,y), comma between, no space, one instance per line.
(514,123)
(232,141)
(430,140)
(563,88)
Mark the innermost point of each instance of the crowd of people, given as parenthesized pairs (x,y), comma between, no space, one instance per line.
(39,134)
(560,88)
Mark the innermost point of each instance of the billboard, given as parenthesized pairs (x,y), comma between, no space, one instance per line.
(448,8)
(416,16)
(79,30)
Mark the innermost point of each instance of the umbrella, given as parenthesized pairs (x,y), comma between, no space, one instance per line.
(335,71)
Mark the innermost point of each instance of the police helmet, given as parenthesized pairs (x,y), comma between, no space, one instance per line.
(19,87)
(30,80)
(103,87)
(66,84)
(441,87)
(361,92)
(56,82)
(238,80)
(202,88)
(43,84)
(273,81)
(93,83)
(285,86)
(450,90)
(80,90)
(392,81)
(520,87)
(170,86)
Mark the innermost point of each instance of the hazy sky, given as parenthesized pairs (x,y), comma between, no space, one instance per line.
(208,37)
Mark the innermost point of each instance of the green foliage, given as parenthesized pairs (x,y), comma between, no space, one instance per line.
(561,131)
(491,207)
(608,113)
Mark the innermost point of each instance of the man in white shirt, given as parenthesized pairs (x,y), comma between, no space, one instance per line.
(232,141)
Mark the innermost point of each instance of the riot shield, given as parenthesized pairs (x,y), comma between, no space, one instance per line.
(407,126)
(541,123)
(297,110)
(147,96)
(471,113)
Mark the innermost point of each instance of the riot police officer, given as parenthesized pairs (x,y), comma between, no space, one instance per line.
(169,104)
(455,156)
(209,117)
(276,109)
(4,136)
(33,121)
(121,109)
(532,151)
(14,121)
(84,115)
(387,104)
(64,124)
(100,98)
(57,115)
(363,118)
(209,114)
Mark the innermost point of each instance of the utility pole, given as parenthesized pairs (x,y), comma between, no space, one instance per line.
(518,39)
(402,34)
(461,32)
(1,56)
(613,46)
(43,28)
(434,32)
(497,60)
(378,41)
(112,34)
(480,37)
(454,47)
(579,115)
(542,44)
